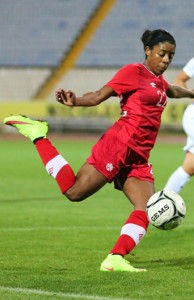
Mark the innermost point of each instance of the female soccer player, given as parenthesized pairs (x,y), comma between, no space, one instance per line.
(121,155)
(182,174)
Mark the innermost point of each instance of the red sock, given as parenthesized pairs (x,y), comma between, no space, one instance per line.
(132,232)
(55,164)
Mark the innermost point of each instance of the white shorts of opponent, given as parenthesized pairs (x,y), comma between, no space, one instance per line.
(188,125)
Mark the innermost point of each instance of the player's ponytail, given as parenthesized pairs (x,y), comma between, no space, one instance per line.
(152,38)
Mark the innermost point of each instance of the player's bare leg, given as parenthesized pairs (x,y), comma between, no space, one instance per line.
(76,188)
(134,229)
(138,192)
(88,181)
(188,164)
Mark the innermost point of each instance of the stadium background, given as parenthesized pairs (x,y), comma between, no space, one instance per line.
(79,45)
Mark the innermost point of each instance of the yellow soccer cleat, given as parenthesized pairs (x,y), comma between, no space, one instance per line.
(29,128)
(117,263)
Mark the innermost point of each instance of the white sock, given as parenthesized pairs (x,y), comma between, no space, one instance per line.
(177,180)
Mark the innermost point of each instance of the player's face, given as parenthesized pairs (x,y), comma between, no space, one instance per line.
(159,58)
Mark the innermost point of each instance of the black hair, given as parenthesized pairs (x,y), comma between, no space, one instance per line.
(152,38)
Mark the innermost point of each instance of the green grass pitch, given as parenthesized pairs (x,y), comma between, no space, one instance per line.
(52,248)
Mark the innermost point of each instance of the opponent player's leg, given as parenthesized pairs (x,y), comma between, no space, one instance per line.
(181,176)
(188,164)
(188,124)
(187,169)
(134,229)
(88,179)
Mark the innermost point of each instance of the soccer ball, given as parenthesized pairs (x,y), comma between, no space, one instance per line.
(166,210)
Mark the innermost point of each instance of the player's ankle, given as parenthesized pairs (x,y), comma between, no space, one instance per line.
(117,254)
(37,139)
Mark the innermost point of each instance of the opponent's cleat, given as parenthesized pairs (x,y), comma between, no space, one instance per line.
(29,128)
(117,263)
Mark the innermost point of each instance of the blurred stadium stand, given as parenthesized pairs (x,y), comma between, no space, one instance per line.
(37,35)
(117,41)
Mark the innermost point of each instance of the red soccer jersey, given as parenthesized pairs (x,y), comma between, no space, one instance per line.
(143,98)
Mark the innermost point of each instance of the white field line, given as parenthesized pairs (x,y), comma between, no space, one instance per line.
(58,294)
(60,228)
(73,228)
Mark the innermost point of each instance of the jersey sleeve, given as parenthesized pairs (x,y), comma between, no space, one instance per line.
(125,80)
(189,68)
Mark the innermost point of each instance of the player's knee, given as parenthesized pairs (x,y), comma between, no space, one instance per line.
(74,196)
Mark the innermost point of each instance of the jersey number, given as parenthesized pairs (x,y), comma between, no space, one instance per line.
(163,99)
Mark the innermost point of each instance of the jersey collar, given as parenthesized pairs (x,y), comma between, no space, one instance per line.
(149,70)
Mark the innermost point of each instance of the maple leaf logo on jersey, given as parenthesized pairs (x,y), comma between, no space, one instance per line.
(109,167)
(153,84)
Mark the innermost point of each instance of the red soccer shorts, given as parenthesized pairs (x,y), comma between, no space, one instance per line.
(117,161)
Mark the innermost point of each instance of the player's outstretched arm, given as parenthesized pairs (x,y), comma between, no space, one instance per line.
(181,79)
(176,91)
(69,98)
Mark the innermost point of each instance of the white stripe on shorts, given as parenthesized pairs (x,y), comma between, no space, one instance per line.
(54,165)
(136,232)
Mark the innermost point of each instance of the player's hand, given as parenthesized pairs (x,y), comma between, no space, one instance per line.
(66,97)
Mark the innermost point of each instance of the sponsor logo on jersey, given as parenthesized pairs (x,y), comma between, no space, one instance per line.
(153,84)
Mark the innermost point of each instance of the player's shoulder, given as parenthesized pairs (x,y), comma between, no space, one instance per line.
(131,67)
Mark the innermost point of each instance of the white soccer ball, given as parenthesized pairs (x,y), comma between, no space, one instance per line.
(166,210)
